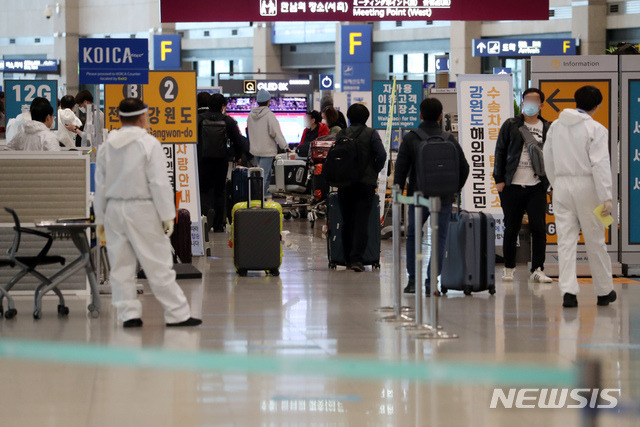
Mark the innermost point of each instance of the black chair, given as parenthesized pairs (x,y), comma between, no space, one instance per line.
(27,265)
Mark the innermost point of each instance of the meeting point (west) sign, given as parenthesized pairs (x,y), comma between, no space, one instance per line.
(351,10)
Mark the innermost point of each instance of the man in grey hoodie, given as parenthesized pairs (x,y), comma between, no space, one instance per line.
(264,135)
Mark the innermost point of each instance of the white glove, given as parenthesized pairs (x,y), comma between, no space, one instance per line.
(168,227)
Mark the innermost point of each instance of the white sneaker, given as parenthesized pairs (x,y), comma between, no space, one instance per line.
(507,274)
(540,277)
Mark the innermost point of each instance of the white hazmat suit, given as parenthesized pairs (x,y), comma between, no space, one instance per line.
(34,136)
(577,163)
(133,198)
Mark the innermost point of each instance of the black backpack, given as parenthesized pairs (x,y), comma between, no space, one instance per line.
(214,139)
(437,165)
(345,163)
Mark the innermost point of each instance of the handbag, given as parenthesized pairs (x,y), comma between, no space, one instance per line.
(534,148)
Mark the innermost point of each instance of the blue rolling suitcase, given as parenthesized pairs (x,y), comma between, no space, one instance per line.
(470,254)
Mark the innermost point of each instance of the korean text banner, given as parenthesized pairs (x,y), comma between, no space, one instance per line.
(351,10)
(407,108)
(485,102)
(113,61)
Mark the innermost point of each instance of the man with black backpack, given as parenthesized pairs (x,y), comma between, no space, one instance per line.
(219,141)
(522,184)
(353,165)
(409,164)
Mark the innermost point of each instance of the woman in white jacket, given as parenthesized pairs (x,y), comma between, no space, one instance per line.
(577,163)
(66,117)
(133,202)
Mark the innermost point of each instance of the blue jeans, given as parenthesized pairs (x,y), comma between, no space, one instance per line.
(443,227)
(266,163)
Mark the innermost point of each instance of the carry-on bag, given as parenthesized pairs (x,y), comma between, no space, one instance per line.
(335,251)
(320,147)
(289,175)
(238,189)
(470,253)
(256,231)
(181,237)
(439,163)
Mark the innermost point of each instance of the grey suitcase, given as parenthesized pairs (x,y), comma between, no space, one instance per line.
(256,233)
(470,254)
(335,251)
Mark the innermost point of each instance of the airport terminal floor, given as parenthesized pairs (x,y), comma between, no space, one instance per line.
(324,323)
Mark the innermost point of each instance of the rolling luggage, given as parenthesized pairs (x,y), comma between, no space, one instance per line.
(238,189)
(256,231)
(289,175)
(181,237)
(335,250)
(470,254)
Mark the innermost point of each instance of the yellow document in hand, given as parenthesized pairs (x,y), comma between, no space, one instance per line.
(606,220)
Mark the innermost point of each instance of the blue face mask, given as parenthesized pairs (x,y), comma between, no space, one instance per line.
(530,108)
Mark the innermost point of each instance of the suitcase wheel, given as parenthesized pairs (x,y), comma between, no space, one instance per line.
(492,291)
(443,290)
(467,290)
(376,266)
(274,272)
(242,272)
(287,215)
(332,266)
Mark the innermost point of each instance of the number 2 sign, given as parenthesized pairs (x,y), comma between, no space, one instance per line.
(20,93)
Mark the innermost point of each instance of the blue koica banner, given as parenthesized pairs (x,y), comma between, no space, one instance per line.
(20,93)
(634,161)
(407,109)
(356,77)
(114,61)
(524,47)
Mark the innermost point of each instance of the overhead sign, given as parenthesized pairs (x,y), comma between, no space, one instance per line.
(249,87)
(356,77)
(406,113)
(166,52)
(47,66)
(113,61)
(171,97)
(501,70)
(113,94)
(442,64)
(356,43)
(351,10)
(326,81)
(524,47)
(20,93)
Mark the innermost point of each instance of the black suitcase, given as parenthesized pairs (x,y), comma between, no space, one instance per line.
(238,189)
(469,262)
(256,232)
(335,251)
(181,237)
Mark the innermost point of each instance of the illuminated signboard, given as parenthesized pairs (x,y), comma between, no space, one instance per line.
(524,47)
(48,66)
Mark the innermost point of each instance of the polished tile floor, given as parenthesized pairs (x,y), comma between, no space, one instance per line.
(311,311)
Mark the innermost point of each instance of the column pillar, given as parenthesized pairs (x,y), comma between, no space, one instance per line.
(65,45)
(267,57)
(461,55)
(589,24)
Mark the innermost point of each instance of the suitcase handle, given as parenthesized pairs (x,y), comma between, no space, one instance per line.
(255,175)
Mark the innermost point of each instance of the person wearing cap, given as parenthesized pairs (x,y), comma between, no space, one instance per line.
(265,135)
(134,209)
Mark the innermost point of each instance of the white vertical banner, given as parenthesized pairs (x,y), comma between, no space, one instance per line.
(188,191)
(343,100)
(485,102)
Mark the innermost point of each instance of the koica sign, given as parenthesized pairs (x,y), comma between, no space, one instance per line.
(113,61)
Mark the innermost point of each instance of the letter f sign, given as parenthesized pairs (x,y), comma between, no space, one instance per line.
(353,42)
(165,47)
(566,44)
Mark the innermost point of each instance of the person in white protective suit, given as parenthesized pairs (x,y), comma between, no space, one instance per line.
(577,163)
(133,204)
(35,134)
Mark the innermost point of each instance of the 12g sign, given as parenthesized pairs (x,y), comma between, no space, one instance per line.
(21,93)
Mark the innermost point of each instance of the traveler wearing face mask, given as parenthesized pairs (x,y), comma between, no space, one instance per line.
(314,128)
(36,134)
(521,188)
(84,98)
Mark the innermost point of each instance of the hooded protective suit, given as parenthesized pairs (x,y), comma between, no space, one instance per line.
(35,136)
(64,135)
(577,163)
(133,197)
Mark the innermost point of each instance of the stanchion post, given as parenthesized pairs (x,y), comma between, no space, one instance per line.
(397,261)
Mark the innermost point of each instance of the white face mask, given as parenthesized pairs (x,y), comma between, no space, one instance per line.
(83,110)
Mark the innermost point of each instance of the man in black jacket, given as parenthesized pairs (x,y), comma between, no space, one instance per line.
(521,189)
(406,166)
(213,171)
(357,199)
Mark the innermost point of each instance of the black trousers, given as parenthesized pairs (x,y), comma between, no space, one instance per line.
(516,200)
(356,202)
(213,176)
